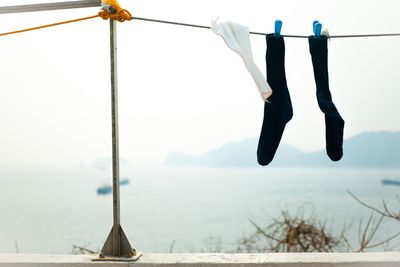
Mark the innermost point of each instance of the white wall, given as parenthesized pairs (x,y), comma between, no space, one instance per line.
(386,259)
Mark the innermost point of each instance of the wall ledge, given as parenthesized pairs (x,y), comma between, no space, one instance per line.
(379,259)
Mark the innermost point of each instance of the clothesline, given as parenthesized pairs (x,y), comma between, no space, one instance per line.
(202,27)
(261,33)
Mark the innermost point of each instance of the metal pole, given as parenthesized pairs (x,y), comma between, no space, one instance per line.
(115,135)
(117,244)
(50,6)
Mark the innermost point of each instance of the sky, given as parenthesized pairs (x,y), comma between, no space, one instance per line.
(182,89)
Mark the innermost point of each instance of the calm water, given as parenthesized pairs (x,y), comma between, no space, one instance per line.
(49,211)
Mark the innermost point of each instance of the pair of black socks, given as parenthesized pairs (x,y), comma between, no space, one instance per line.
(278,109)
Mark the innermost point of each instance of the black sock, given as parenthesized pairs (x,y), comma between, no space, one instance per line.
(334,124)
(278,111)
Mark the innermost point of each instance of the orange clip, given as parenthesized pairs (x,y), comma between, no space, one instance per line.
(112,10)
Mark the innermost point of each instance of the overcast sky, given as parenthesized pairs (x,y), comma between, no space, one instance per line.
(182,88)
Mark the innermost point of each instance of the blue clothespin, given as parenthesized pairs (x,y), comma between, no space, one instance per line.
(278,27)
(313,25)
(317,27)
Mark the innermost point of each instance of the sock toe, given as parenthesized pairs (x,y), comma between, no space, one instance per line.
(334,137)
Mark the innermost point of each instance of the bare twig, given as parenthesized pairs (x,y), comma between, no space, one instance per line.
(82,250)
(386,212)
(16,246)
(171,247)
(261,231)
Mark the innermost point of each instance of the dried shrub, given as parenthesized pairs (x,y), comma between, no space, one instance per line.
(288,233)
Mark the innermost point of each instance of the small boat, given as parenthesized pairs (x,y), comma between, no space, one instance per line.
(107,189)
(124,181)
(389,181)
(104,190)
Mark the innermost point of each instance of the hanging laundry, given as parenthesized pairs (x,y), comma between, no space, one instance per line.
(237,38)
(278,110)
(334,124)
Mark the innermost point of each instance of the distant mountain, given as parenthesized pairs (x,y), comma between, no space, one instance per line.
(373,149)
(376,149)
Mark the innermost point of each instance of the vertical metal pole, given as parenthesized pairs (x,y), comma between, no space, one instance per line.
(115,136)
(117,244)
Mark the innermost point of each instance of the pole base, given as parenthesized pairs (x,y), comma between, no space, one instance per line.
(120,259)
(117,245)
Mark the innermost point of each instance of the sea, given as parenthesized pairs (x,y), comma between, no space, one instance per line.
(180,209)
